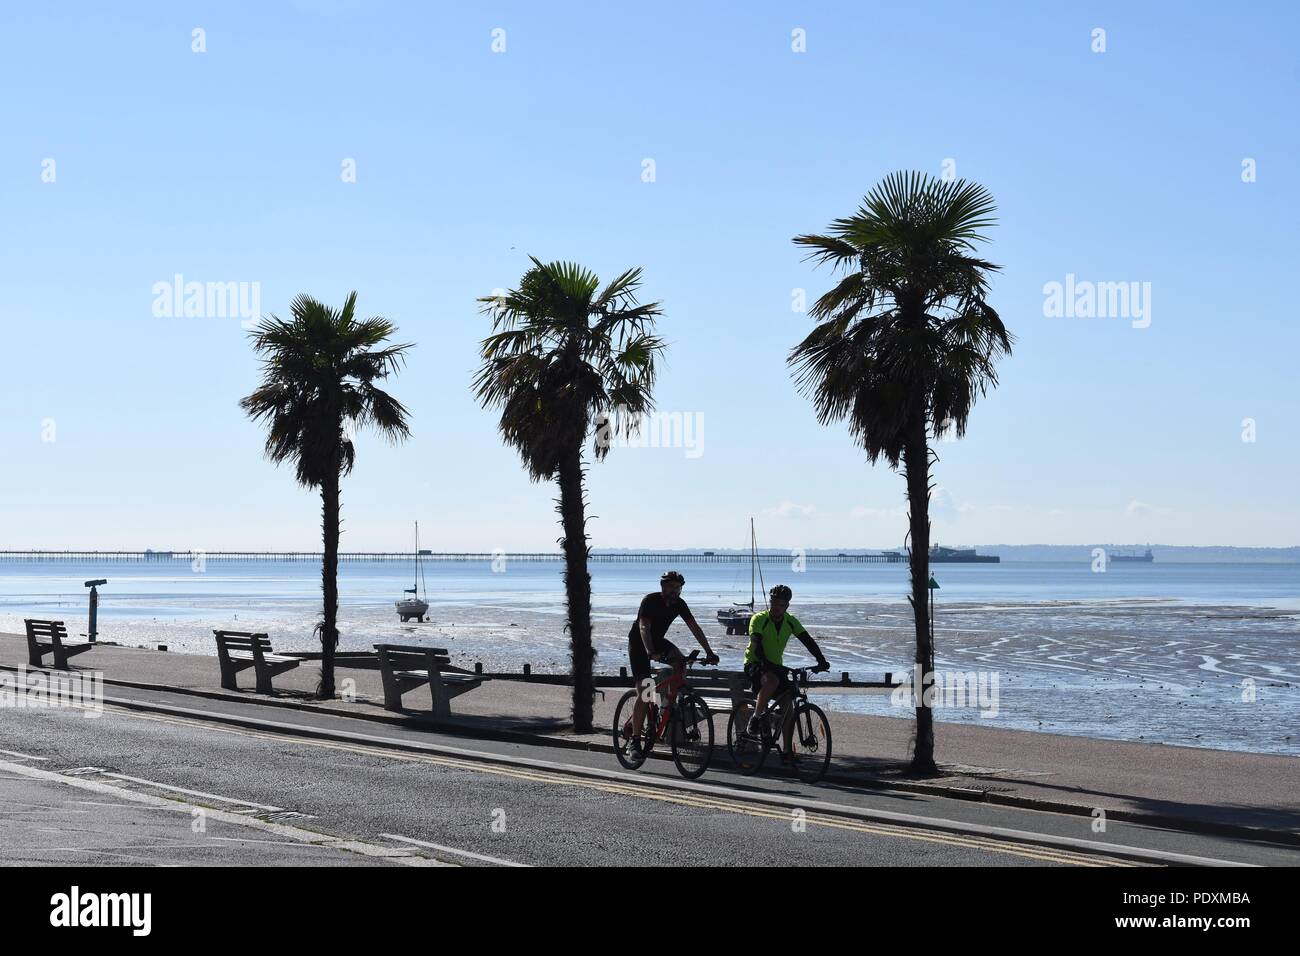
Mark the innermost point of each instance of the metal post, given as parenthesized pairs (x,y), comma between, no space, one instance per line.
(92,631)
(934,586)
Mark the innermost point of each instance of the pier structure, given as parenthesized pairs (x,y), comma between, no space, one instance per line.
(597,557)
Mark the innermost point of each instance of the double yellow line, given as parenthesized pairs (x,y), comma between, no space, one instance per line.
(1041,854)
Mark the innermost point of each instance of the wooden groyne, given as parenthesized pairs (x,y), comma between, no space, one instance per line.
(666,558)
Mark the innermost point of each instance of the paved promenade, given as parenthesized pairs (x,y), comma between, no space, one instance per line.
(1188,787)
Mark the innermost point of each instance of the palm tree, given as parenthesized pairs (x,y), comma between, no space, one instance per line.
(563,354)
(319,371)
(905,343)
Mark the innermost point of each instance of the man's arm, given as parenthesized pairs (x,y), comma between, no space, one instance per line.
(810,645)
(694,627)
(644,624)
(756,643)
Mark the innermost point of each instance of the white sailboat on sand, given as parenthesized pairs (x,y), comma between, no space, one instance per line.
(414,606)
(736,618)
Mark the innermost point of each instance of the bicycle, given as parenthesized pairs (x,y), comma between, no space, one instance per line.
(684,720)
(809,751)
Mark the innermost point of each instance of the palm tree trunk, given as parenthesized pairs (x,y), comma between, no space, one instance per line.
(577,587)
(916,467)
(329,637)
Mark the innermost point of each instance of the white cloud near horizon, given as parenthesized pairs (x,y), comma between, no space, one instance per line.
(1137,509)
(789,509)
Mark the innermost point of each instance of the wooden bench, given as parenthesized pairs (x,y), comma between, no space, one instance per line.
(404,667)
(239,650)
(44,637)
(723,691)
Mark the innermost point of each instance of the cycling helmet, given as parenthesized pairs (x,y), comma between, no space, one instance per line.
(780,592)
(671,577)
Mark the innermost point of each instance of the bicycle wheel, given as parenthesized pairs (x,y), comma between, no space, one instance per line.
(747,753)
(691,735)
(623,732)
(810,743)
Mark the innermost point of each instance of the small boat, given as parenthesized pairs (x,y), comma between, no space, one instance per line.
(736,618)
(413,606)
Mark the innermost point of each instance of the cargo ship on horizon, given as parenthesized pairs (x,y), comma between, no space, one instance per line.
(942,555)
(1145,558)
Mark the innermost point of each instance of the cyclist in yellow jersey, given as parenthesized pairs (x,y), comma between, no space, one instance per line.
(769,632)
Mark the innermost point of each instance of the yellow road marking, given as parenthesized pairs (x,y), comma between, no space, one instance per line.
(1029,851)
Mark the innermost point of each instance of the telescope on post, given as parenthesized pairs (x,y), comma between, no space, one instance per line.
(93,629)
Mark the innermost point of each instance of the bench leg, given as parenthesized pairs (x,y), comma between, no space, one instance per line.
(35,657)
(392,690)
(228,681)
(438,691)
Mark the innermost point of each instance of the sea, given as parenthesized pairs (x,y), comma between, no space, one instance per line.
(1196,654)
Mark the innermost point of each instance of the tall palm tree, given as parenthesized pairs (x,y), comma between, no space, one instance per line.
(319,371)
(563,354)
(905,343)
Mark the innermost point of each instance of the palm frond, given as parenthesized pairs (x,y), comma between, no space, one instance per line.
(318,372)
(563,350)
(909,313)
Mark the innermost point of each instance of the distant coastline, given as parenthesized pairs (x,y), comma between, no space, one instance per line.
(1168,554)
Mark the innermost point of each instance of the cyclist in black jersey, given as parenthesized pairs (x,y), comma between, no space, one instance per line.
(646,641)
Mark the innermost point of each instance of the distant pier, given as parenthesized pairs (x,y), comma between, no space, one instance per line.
(598,557)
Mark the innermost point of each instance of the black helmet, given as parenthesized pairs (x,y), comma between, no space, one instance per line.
(671,577)
(780,592)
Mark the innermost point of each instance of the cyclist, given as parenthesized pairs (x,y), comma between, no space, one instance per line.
(646,641)
(769,632)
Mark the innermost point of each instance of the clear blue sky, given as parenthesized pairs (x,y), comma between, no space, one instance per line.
(225,166)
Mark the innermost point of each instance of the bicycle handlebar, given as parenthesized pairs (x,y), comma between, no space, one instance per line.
(801,673)
(684,662)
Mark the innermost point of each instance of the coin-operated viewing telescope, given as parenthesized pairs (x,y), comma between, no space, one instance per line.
(93,631)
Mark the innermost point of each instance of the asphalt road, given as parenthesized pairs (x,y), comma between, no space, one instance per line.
(128,786)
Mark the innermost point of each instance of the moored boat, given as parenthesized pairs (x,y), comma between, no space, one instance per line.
(414,606)
(736,618)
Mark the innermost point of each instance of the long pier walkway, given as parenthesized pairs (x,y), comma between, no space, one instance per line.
(599,557)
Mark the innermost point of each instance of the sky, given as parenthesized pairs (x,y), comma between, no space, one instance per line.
(419,153)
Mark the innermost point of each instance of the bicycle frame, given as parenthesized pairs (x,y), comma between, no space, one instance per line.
(786,701)
(670,687)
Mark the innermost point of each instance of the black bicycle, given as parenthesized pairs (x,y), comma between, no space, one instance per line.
(793,727)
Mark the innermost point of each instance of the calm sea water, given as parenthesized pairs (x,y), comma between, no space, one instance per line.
(1195,654)
(172,589)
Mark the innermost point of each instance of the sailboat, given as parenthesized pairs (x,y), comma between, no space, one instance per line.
(414,606)
(736,618)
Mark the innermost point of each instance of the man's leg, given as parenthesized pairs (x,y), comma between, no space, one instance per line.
(787,723)
(765,691)
(644,691)
(641,673)
(767,686)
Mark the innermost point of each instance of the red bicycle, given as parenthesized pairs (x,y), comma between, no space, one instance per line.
(683,720)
